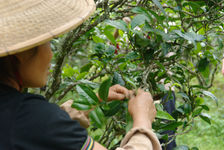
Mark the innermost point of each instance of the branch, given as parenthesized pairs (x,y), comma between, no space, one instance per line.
(66,46)
(212,78)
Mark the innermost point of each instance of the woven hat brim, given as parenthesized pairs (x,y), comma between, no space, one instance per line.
(27,23)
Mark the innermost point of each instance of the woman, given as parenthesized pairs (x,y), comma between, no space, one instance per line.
(28,121)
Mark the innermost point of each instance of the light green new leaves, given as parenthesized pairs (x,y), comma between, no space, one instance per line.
(164,115)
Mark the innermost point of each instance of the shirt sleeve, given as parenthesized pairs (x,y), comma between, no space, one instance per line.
(40,125)
(140,139)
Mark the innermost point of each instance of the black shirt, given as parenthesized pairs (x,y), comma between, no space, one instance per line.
(29,122)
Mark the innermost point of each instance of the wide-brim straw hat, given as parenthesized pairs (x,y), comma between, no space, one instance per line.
(28,23)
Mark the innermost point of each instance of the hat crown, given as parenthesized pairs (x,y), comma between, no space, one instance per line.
(12,7)
(28,23)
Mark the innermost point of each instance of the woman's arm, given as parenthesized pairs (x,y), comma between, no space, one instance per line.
(143,112)
(141,136)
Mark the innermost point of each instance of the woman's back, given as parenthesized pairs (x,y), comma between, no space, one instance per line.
(29,122)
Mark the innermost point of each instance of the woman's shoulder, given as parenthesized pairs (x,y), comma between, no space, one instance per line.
(38,106)
(40,122)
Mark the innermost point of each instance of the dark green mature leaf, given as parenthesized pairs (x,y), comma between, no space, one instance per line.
(104,89)
(205,117)
(203,64)
(141,41)
(209,94)
(97,117)
(184,95)
(86,67)
(187,108)
(194,148)
(141,10)
(80,106)
(131,56)
(87,93)
(190,36)
(160,6)
(138,20)
(182,147)
(197,112)
(205,107)
(81,103)
(119,24)
(164,115)
(114,107)
(90,84)
(117,79)
(172,126)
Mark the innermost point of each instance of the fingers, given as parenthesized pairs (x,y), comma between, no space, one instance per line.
(120,90)
(116,96)
(66,105)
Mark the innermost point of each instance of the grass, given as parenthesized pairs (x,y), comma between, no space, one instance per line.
(203,135)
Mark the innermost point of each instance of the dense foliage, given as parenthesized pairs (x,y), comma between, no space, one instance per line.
(143,43)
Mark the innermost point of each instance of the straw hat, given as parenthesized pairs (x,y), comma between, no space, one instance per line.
(27,23)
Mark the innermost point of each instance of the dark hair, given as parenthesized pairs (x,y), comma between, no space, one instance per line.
(9,65)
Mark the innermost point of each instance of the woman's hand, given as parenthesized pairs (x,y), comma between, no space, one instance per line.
(142,109)
(117,92)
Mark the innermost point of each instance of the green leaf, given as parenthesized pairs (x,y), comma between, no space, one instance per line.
(97,39)
(138,20)
(197,112)
(172,126)
(87,93)
(114,107)
(159,107)
(203,64)
(90,84)
(160,6)
(205,117)
(104,89)
(117,79)
(209,94)
(131,56)
(205,107)
(194,148)
(81,75)
(81,103)
(119,24)
(80,106)
(129,81)
(86,68)
(97,117)
(182,147)
(184,95)
(109,35)
(190,36)
(187,108)
(164,115)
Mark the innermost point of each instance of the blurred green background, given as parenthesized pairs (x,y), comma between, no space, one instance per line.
(203,135)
